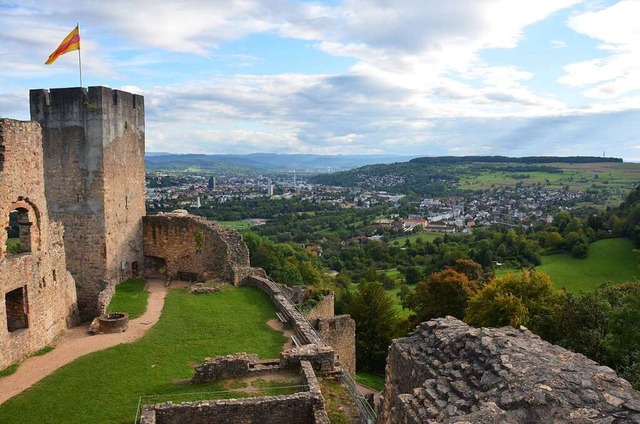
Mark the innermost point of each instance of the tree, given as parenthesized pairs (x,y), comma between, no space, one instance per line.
(377,324)
(441,294)
(527,298)
(412,275)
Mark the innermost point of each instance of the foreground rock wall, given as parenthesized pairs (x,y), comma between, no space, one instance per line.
(179,245)
(446,371)
(37,294)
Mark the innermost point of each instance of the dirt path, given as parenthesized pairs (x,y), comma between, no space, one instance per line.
(279,326)
(76,342)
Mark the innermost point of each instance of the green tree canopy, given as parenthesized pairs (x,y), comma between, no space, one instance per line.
(377,324)
(526,298)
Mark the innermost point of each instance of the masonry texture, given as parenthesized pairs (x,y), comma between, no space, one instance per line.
(305,407)
(37,294)
(446,371)
(93,142)
(340,333)
(179,245)
(323,309)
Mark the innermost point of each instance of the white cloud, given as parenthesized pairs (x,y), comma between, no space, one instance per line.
(418,81)
(557,44)
(617,73)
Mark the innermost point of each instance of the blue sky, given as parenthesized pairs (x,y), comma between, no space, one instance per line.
(417,77)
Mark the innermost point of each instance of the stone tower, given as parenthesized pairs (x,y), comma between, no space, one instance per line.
(93,143)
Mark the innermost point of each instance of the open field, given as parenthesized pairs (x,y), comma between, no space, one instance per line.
(412,238)
(609,260)
(616,178)
(104,387)
(235,225)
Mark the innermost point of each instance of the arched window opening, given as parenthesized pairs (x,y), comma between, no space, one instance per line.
(17,309)
(19,232)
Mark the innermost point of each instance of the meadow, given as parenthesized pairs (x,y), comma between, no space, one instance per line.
(414,237)
(235,225)
(105,386)
(609,260)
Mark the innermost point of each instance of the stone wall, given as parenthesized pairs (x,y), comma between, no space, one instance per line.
(304,331)
(340,333)
(188,246)
(323,309)
(446,371)
(300,408)
(93,142)
(37,294)
(230,366)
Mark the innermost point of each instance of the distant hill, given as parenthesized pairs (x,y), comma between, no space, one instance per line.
(264,161)
(439,176)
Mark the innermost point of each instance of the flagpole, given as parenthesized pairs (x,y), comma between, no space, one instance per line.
(79,56)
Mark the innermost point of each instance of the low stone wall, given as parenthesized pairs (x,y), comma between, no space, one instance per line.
(300,408)
(230,366)
(322,358)
(180,244)
(301,326)
(446,371)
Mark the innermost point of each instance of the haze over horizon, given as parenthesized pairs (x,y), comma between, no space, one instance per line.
(411,77)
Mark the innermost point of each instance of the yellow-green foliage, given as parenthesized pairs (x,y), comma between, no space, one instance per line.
(527,298)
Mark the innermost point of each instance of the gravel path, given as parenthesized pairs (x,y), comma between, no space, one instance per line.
(77,342)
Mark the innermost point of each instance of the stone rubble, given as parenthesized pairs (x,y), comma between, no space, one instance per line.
(447,372)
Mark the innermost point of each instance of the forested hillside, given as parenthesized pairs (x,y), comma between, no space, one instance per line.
(439,176)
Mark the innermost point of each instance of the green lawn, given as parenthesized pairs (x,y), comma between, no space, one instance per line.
(412,238)
(402,313)
(374,381)
(130,297)
(394,274)
(608,260)
(104,387)
(235,225)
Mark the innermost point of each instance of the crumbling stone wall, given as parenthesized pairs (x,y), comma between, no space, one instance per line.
(322,358)
(323,309)
(300,408)
(304,330)
(230,366)
(189,245)
(340,333)
(446,371)
(93,141)
(36,291)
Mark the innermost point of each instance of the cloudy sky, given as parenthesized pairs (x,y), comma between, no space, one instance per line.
(418,77)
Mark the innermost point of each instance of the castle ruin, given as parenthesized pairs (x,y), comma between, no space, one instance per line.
(37,293)
(93,145)
(72,188)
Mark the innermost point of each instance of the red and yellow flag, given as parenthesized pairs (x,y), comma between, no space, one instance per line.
(69,44)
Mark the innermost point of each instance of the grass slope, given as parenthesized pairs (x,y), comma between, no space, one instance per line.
(104,387)
(608,260)
(130,297)
(373,381)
